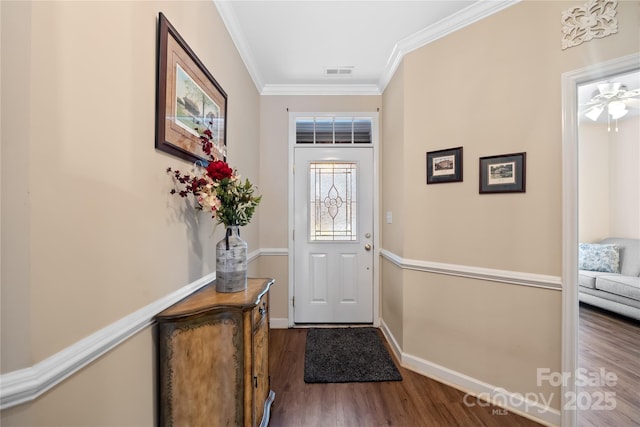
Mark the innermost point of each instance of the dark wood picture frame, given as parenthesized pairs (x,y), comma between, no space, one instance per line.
(188,100)
(505,173)
(444,166)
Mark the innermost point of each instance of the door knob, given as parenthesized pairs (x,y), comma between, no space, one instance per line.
(367,247)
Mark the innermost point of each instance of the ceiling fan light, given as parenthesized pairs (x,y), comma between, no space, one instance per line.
(619,114)
(617,109)
(594,113)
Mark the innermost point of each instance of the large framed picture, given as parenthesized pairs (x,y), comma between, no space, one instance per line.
(505,173)
(444,166)
(188,100)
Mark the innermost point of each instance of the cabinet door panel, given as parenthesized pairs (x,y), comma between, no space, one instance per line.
(213,358)
(195,373)
(260,369)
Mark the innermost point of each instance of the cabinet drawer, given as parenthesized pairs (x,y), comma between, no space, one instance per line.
(260,311)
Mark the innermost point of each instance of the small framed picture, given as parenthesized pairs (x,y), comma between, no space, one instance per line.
(444,166)
(505,173)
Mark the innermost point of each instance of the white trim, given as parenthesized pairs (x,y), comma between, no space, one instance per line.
(377,230)
(291,222)
(274,252)
(570,82)
(320,89)
(235,31)
(467,16)
(375,137)
(391,339)
(504,276)
(474,387)
(473,13)
(27,384)
(253,255)
(279,323)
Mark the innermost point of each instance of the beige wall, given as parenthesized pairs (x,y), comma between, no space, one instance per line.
(392,299)
(89,231)
(394,201)
(15,230)
(485,330)
(609,186)
(90,235)
(392,165)
(594,182)
(493,88)
(275,174)
(625,180)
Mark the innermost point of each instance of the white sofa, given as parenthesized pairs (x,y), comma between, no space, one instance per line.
(605,285)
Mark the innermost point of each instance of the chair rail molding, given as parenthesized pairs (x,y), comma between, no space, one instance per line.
(480,273)
(25,385)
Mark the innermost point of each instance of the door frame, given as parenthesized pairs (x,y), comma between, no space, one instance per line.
(376,206)
(570,82)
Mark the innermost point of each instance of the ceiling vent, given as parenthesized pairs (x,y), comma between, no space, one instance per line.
(338,71)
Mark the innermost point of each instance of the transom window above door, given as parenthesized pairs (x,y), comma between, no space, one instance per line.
(333,130)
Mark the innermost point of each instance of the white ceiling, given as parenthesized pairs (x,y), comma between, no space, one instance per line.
(287,45)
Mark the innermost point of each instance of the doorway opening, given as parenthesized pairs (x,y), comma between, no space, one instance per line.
(333,219)
(571,83)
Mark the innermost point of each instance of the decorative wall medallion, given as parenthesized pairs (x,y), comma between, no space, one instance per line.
(595,20)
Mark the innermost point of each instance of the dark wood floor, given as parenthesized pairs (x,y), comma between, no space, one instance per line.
(606,341)
(415,401)
(611,342)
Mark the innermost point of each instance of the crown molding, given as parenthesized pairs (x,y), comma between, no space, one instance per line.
(467,16)
(321,89)
(475,12)
(233,27)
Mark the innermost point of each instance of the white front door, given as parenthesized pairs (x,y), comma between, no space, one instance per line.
(333,235)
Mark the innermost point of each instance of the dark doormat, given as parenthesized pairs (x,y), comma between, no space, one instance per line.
(343,355)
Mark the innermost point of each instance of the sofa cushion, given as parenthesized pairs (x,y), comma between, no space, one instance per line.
(587,278)
(599,257)
(602,298)
(629,250)
(626,286)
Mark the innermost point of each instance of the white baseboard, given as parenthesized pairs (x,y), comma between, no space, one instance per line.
(475,389)
(279,323)
(27,384)
(395,347)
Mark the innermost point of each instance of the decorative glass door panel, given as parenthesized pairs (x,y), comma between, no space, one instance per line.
(333,199)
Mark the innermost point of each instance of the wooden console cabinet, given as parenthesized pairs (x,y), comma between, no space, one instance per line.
(213,358)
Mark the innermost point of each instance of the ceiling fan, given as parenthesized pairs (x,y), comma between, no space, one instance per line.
(614,98)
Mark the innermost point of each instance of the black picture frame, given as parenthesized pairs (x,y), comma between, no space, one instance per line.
(188,100)
(504,173)
(444,166)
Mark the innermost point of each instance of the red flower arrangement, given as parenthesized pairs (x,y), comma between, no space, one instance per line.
(217,189)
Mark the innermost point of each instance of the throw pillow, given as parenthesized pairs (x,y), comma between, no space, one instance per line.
(599,257)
